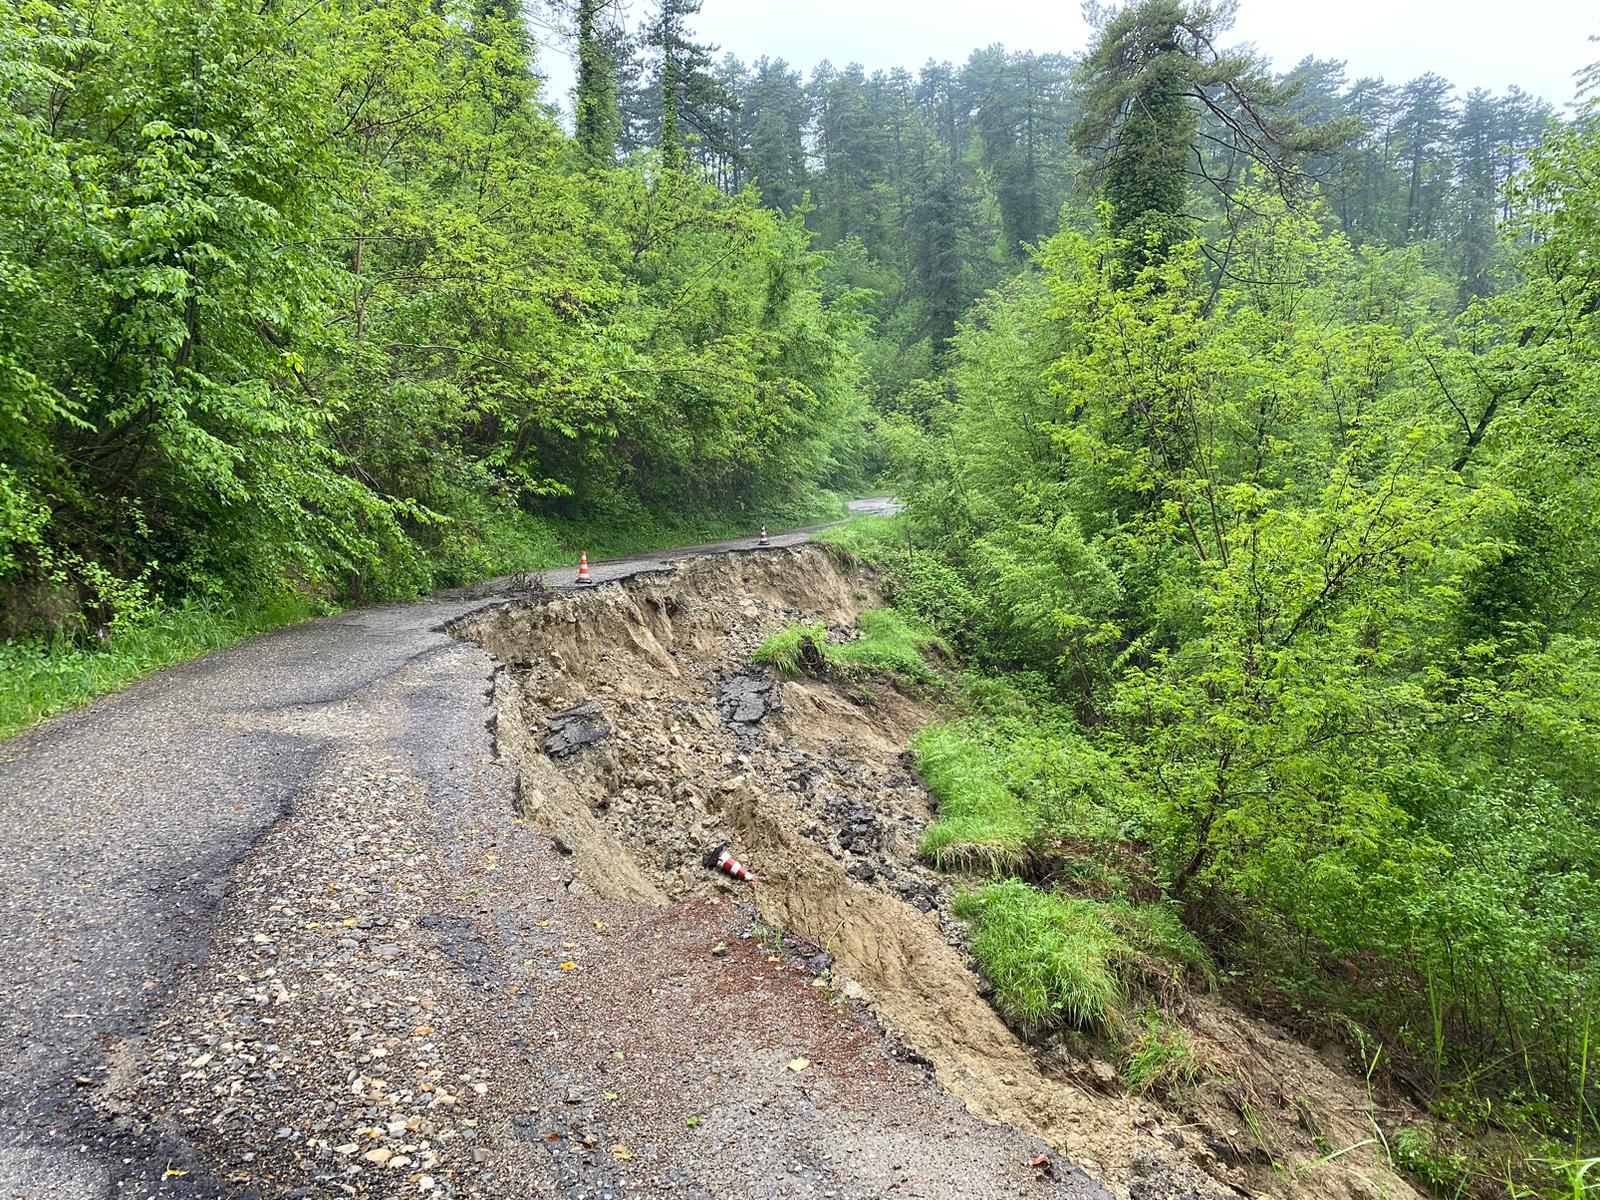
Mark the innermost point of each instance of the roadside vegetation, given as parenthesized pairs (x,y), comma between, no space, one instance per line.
(1275,574)
(330,310)
(1272,569)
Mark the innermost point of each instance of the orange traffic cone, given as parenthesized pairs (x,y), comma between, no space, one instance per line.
(720,860)
(764,541)
(583,570)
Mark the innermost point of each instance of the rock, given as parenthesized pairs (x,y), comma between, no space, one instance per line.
(1159,1175)
(573,729)
(1103,1073)
(746,699)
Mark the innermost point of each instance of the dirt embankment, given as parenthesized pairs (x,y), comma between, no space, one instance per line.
(645,737)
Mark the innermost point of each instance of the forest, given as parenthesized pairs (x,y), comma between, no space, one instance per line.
(1247,420)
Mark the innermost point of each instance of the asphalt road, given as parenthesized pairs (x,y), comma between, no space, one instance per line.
(123,821)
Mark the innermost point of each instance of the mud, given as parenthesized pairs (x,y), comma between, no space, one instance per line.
(809,784)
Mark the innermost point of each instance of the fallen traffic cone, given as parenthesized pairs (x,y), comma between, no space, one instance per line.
(720,860)
(764,541)
(583,570)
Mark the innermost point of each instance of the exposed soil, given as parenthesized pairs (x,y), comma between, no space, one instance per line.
(688,746)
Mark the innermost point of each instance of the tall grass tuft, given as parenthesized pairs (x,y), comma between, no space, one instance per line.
(983,826)
(1067,961)
(782,650)
(1050,958)
(1161,1058)
(889,642)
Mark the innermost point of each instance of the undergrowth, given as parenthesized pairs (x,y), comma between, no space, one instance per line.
(1015,781)
(888,642)
(984,825)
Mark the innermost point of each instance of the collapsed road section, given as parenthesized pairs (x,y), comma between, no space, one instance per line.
(688,748)
(478,952)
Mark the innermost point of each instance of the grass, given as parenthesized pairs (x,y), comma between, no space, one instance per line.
(1161,1058)
(1065,961)
(1050,958)
(866,539)
(782,650)
(984,825)
(889,642)
(1020,789)
(40,678)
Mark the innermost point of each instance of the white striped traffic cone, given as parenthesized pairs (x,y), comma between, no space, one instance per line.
(583,570)
(764,541)
(721,860)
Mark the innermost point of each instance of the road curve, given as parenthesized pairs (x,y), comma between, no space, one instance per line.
(125,823)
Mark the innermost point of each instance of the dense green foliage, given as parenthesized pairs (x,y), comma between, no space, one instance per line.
(930,186)
(1310,565)
(1293,525)
(305,306)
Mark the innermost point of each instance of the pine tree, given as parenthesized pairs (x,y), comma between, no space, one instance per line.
(694,108)
(775,115)
(1425,117)
(1154,71)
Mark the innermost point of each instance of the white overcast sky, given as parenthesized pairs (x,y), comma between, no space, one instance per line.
(1536,44)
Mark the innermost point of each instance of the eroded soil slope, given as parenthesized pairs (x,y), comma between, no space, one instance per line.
(645,737)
